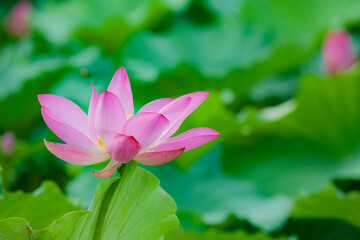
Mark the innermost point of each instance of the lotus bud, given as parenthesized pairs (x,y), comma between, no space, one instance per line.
(17,22)
(8,142)
(338,53)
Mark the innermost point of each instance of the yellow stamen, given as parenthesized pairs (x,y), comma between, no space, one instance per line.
(101,143)
(128,116)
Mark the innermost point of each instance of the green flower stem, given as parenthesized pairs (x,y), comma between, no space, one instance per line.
(108,196)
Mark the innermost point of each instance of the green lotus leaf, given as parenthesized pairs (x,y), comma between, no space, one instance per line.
(133,206)
(329,204)
(218,235)
(31,206)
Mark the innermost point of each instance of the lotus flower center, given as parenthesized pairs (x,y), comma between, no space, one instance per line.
(128,116)
(101,143)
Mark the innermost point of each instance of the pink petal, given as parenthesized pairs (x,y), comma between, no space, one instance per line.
(108,171)
(174,110)
(159,157)
(146,127)
(91,113)
(196,99)
(156,105)
(66,110)
(120,86)
(123,148)
(190,139)
(67,133)
(71,155)
(110,116)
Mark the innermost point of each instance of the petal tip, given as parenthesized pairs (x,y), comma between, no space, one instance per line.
(108,171)
(212,133)
(121,70)
(160,157)
(204,94)
(120,73)
(99,175)
(46,144)
(107,93)
(134,139)
(216,133)
(41,98)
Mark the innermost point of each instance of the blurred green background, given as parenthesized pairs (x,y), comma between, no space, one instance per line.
(287,164)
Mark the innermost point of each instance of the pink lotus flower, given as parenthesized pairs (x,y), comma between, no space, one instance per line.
(338,53)
(18,19)
(111,130)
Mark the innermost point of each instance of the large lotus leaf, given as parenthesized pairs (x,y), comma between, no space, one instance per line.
(321,229)
(31,206)
(226,9)
(215,51)
(189,58)
(205,194)
(13,163)
(81,188)
(1,184)
(273,90)
(4,9)
(133,206)
(303,144)
(24,74)
(205,190)
(329,204)
(16,229)
(114,20)
(299,20)
(218,235)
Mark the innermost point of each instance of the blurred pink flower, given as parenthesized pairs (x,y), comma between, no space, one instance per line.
(338,53)
(8,142)
(18,19)
(111,130)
